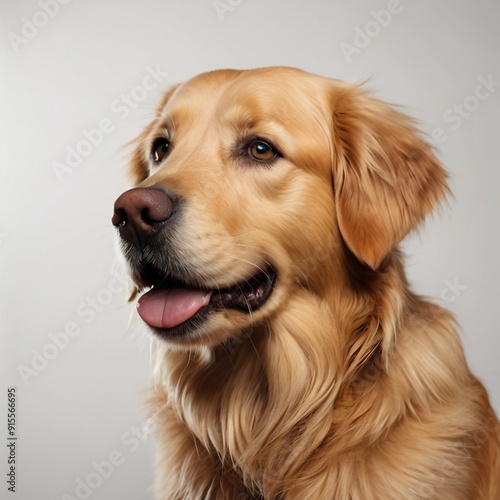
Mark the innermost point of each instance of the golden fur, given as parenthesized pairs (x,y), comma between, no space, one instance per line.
(345,385)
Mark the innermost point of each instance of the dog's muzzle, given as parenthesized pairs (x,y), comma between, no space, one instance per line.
(176,302)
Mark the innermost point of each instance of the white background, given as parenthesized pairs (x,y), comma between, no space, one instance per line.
(56,242)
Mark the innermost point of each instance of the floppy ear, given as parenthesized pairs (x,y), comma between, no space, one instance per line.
(386,178)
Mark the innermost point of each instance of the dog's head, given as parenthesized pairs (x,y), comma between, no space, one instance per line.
(254,186)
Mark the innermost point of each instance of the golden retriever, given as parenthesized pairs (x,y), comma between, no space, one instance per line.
(293,359)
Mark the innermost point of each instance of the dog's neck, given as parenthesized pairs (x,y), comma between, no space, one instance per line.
(230,347)
(254,398)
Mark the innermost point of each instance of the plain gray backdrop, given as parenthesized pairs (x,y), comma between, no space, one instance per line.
(80,79)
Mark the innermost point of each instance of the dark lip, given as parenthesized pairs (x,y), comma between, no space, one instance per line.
(246,296)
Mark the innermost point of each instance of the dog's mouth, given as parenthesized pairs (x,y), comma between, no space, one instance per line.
(176,306)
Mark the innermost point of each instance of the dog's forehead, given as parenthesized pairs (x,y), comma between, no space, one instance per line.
(246,96)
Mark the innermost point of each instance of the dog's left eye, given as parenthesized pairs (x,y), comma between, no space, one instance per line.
(160,149)
(261,151)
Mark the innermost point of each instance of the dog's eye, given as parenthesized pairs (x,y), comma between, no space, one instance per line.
(160,149)
(261,151)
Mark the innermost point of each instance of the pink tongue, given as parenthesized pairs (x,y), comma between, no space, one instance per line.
(168,308)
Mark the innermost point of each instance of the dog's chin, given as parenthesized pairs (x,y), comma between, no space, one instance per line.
(182,310)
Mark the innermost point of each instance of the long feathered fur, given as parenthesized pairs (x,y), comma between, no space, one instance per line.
(350,387)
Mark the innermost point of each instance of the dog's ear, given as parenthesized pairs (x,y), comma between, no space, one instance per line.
(138,167)
(386,178)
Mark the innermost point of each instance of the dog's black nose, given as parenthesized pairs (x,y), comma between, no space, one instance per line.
(141,212)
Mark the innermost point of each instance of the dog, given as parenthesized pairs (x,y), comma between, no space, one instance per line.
(293,361)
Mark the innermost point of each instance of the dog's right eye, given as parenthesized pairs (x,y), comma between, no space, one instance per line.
(262,151)
(160,149)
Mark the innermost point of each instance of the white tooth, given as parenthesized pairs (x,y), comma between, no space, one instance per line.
(207,297)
